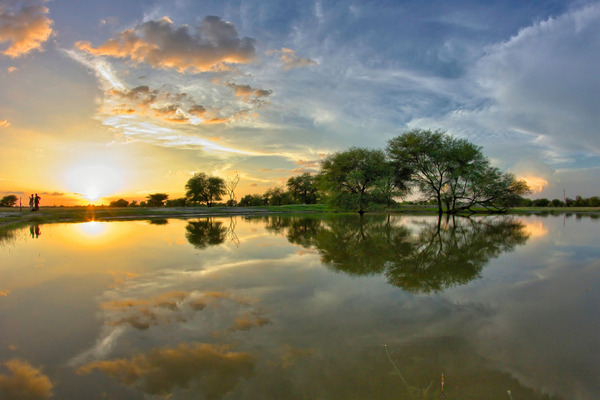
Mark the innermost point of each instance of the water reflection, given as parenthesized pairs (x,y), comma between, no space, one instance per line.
(438,255)
(205,232)
(34,231)
(300,308)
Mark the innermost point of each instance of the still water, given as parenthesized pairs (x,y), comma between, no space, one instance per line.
(383,307)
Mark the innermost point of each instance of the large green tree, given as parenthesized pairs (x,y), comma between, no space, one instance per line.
(204,188)
(351,178)
(453,172)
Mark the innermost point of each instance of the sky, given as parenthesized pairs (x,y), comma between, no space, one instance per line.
(120,99)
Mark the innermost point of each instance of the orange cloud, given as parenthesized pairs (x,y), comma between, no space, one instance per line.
(214,45)
(4,293)
(247,93)
(12,69)
(536,184)
(25,383)
(4,124)
(290,60)
(25,30)
(213,369)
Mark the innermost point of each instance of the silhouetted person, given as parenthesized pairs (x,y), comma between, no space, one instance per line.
(36,201)
(31,203)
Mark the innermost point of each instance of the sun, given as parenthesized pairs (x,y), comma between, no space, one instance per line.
(93,180)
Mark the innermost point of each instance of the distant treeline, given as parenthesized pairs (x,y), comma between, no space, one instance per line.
(452,173)
(578,201)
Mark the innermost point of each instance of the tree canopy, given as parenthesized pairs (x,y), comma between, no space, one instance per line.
(352,178)
(156,199)
(453,171)
(8,200)
(204,188)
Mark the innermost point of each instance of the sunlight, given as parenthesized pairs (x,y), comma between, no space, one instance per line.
(536,184)
(93,228)
(93,181)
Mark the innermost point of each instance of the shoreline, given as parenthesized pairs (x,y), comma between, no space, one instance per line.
(13,218)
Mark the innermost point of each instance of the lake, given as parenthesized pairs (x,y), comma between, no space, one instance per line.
(302,307)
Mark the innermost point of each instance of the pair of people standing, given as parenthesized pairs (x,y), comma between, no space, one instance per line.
(34,202)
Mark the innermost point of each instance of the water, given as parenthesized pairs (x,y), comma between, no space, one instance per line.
(302,308)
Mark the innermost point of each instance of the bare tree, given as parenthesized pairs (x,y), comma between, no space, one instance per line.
(230,186)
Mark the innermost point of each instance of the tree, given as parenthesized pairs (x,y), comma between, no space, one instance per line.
(276,196)
(180,202)
(9,200)
(303,188)
(255,200)
(349,178)
(119,203)
(543,202)
(453,172)
(230,186)
(204,188)
(156,199)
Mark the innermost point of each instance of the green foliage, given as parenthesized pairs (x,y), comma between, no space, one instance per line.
(543,202)
(181,202)
(251,200)
(204,188)
(303,188)
(276,196)
(354,178)
(453,172)
(9,200)
(156,199)
(119,203)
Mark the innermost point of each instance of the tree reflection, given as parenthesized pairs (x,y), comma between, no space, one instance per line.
(430,257)
(205,232)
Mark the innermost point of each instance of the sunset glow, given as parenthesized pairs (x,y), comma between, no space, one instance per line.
(536,184)
(142,96)
(93,181)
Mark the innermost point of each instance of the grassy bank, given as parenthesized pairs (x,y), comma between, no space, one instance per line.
(12,218)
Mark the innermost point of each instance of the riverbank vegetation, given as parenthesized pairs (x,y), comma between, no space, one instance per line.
(446,175)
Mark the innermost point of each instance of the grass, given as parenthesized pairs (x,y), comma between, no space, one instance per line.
(11,218)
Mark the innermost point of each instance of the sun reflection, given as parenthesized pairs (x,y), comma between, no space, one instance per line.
(93,228)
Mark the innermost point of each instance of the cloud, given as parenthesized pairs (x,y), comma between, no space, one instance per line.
(25,383)
(213,46)
(25,30)
(12,69)
(249,94)
(213,369)
(290,60)
(4,124)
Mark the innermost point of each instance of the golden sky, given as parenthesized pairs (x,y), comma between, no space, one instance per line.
(127,99)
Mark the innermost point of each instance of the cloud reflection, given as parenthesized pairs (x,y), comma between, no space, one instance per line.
(24,383)
(212,369)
